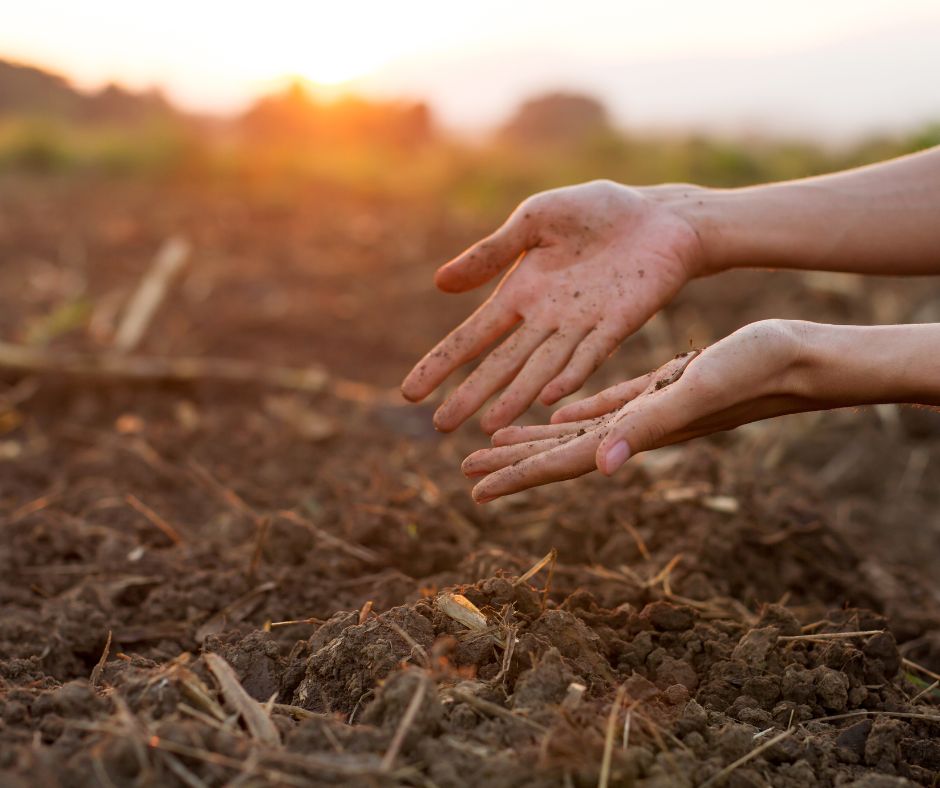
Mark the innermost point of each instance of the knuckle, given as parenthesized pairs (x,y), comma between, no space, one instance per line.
(702,381)
(775,336)
(644,435)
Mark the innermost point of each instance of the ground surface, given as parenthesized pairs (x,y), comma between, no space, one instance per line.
(700,610)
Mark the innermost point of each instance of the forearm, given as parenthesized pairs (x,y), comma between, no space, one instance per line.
(882,219)
(858,365)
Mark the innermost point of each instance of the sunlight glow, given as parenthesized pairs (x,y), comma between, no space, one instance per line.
(474,61)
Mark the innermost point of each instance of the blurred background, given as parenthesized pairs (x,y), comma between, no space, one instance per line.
(319,160)
(479,105)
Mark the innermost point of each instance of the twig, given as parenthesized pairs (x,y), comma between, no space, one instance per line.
(231,498)
(925,690)
(747,757)
(112,365)
(154,519)
(275,775)
(150,292)
(262,531)
(356,551)
(493,709)
(638,540)
(259,724)
(179,769)
(920,668)
(830,635)
(388,761)
(297,712)
(311,621)
(663,575)
(415,645)
(550,556)
(96,670)
(101,773)
(907,715)
(508,650)
(198,693)
(235,611)
(604,777)
(205,719)
(36,505)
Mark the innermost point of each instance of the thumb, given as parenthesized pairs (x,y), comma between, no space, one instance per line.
(482,261)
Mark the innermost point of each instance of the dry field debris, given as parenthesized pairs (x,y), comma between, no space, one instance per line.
(199,588)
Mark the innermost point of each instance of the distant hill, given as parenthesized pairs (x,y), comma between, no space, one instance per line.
(29,91)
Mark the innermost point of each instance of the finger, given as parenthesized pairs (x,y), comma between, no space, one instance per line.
(588,356)
(461,345)
(542,366)
(486,461)
(509,436)
(651,420)
(494,372)
(566,461)
(606,401)
(486,258)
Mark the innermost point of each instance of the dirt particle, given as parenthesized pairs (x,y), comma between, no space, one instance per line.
(667,616)
(755,645)
(850,743)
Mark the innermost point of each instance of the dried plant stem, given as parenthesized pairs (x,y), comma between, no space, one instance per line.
(407,720)
(925,690)
(830,635)
(747,757)
(493,709)
(604,777)
(112,365)
(154,519)
(259,724)
(920,668)
(96,670)
(150,293)
(550,556)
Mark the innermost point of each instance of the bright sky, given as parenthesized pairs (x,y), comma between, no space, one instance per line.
(217,55)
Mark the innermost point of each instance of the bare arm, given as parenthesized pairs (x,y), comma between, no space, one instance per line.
(881,219)
(588,265)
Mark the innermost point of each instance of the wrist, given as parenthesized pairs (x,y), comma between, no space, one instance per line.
(776,225)
(708,214)
(862,365)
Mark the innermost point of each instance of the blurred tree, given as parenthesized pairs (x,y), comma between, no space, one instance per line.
(28,90)
(296,119)
(32,92)
(556,119)
(114,105)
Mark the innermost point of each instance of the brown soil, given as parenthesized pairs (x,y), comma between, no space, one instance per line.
(711,590)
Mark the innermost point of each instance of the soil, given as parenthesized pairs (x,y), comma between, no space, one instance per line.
(756,609)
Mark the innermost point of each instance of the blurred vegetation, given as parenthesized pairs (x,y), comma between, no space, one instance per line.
(294,139)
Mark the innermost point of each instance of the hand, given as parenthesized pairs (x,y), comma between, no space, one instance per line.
(590,265)
(756,373)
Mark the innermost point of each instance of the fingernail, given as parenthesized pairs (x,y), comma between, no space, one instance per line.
(616,456)
(485,500)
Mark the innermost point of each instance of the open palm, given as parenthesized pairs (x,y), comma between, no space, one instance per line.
(590,265)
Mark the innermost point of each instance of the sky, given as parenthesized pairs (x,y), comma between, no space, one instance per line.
(829,67)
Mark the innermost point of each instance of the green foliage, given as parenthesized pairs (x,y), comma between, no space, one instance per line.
(484,178)
(66,317)
(40,144)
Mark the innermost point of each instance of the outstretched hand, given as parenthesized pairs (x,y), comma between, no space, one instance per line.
(753,374)
(590,264)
